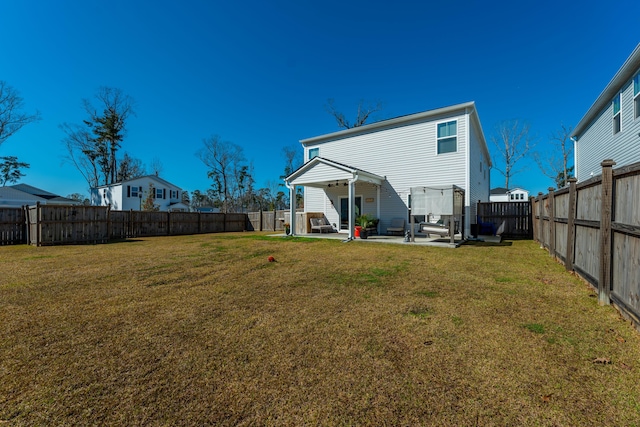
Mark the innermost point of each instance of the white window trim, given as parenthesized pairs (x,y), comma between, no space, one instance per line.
(636,98)
(437,138)
(618,114)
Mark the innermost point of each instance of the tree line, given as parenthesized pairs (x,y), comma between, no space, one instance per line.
(94,146)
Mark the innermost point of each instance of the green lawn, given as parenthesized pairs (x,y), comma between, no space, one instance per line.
(201,330)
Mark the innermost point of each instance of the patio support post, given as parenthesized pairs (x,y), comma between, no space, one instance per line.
(352,206)
(292,208)
(378,208)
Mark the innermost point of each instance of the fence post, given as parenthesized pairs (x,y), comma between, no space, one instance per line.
(571,230)
(260,220)
(604,281)
(552,223)
(540,220)
(108,222)
(274,219)
(199,223)
(25,213)
(168,223)
(131,223)
(38,230)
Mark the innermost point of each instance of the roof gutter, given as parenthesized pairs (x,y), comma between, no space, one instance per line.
(624,74)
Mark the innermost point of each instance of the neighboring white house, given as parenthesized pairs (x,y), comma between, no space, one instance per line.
(501,194)
(371,169)
(132,194)
(611,127)
(15,196)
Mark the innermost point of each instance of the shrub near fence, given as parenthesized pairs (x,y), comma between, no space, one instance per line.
(594,229)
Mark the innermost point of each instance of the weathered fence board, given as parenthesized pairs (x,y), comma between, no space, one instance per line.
(516,217)
(266,220)
(74,224)
(596,233)
(68,224)
(627,203)
(12,226)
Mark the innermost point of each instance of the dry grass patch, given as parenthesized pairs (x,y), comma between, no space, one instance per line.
(197,330)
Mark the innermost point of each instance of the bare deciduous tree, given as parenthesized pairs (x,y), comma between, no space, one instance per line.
(129,168)
(555,162)
(365,110)
(225,162)
(513,142)
(12,118)
(156,167)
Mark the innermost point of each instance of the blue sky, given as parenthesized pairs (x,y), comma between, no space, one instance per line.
(259,73)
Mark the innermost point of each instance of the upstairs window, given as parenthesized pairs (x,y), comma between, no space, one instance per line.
(447,137)
(159,193)
(636,96)
(313,152)
(135,191)
(617,125)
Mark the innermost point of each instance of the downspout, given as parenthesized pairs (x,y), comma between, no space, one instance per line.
(292,207)
(575,158)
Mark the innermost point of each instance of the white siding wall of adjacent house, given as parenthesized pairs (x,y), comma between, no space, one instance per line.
(598,142)
(120,197)
(479,175)
(407,156)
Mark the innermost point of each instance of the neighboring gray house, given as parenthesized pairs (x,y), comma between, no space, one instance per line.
(371,169)
(501,194)
(611,127)
(132,194)
(15,196)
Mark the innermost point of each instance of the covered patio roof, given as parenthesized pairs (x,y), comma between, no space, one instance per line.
(324,173)
(321,172)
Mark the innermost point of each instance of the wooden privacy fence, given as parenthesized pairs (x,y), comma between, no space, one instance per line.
(516,217)
(266,220)
(67,224)
(12,226)
(594,228)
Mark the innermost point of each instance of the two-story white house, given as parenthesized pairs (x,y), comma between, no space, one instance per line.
(371,169)
(501,194)
(611,127)
(132,194)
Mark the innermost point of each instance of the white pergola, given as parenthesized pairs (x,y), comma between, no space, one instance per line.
(322,173)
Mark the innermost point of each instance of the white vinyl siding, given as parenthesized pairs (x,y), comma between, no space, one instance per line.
(598,142)
(406,156)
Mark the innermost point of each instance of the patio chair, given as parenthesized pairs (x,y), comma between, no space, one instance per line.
(396,226)
(321,225)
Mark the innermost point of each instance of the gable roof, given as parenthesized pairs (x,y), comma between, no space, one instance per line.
(502,190)
(14,197)
(466,107)
(23,194)
(153,177)
(344,172)
(499,190)
(34,191)
(624,74)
